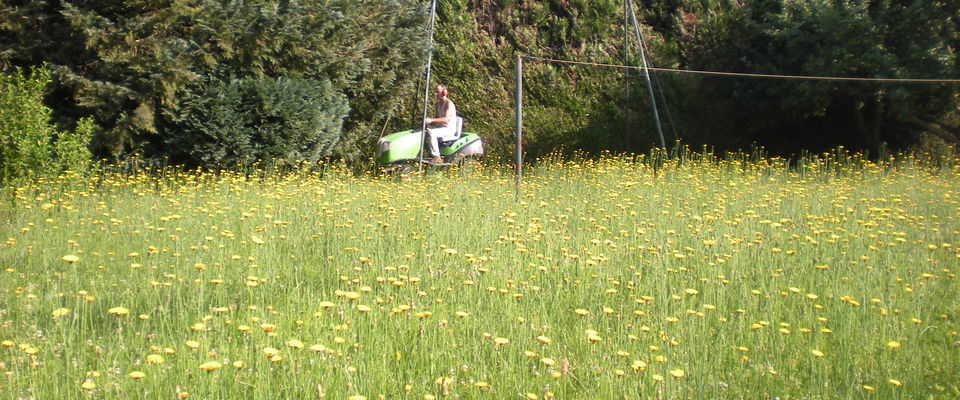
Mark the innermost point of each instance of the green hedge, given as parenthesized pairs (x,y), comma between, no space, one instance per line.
(241,121)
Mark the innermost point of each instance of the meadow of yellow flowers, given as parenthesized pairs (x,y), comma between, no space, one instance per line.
(603,279)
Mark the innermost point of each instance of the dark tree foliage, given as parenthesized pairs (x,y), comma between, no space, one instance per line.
(241,121)
(593,109)
(846,38)
(129,63)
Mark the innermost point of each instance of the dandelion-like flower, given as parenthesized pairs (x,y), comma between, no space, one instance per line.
(211,366)
(638,365)
(119,311)
(593,336)
(326,304)
(270,352)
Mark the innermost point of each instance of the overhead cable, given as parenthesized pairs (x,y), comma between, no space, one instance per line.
(750,75)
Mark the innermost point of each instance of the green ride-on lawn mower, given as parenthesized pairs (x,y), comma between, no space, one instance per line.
(403,151)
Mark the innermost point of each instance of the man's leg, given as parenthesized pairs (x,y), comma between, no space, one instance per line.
(433,135)
(432,143)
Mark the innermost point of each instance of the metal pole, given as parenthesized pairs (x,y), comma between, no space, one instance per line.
(518,101)
(646,78)
(626,31)
(653,106)
(626,77)
(426,87)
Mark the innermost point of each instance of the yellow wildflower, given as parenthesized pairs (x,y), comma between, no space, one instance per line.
(118,311)
(210,366)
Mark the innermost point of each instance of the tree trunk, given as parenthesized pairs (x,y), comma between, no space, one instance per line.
(869,134)
(874,140)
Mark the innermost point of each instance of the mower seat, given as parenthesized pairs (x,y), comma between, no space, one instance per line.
(458,123)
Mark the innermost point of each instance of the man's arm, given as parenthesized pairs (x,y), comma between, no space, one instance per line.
(451,112)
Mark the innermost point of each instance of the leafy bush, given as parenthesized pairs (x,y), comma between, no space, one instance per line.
(30,145)
(240,121)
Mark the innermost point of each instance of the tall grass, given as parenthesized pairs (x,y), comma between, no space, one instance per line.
(683,275)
